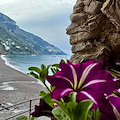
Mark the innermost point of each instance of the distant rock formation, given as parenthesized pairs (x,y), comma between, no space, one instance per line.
(94,31)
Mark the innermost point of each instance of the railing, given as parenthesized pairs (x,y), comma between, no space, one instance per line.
(25,108)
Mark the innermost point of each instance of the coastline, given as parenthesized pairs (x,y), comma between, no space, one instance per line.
(17,87)
(7,63)
(23,87)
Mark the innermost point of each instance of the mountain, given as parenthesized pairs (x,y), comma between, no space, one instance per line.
(14,40)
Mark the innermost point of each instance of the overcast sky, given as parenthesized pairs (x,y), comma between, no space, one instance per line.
(46,18)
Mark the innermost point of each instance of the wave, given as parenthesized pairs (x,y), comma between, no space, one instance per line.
(23,62)
(8,63)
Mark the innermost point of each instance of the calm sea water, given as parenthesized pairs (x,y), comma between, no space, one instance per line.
(23,62)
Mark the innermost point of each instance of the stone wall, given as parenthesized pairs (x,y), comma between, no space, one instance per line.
(94,31)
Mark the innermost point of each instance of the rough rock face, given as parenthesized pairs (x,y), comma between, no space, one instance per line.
(111,8)
(94,31)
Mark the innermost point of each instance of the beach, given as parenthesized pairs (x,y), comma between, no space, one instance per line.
(15,86)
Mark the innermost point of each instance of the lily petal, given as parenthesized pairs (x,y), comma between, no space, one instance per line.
(85,74)
(93,82)
(115,102)
(74,76)
(42,110)
(58,81)
(89,96)
(57,94)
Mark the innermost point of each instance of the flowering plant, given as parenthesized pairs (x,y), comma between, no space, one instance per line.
(84,91)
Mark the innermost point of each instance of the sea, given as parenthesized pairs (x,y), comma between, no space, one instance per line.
(23,62)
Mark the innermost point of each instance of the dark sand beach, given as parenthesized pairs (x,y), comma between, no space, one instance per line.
(16,87)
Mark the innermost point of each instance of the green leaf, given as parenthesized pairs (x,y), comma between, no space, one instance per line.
(33,74)
(22,118)
(55,65)
(70,108)
(43,67)
(82,110)
(52,88)
(32,118)
(43,94)
(90,114)
(59,114)
(96,114)
(63,106)
(54,70)
(43,73)
(48,66)
(36,69)
(62,60)
(47,98)
(71,105)
(72,97)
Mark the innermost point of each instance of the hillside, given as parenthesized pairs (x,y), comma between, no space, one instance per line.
(14,40)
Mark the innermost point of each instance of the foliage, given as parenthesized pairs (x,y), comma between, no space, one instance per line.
(75,92)
(40,73)
(25,118)
(22,118)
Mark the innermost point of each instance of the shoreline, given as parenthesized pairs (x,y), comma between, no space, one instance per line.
(9,73)
(8,64)
(25,87)
(19,88)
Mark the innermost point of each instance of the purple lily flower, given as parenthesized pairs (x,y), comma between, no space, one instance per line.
(111,111)
(115,103)
(43,110)
(89,80)
(107,110)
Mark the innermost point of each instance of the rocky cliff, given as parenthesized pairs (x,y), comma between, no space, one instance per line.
(95,31)
(14,40)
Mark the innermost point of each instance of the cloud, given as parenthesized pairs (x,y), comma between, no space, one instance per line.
(25,9)
(47,19)
(5,1)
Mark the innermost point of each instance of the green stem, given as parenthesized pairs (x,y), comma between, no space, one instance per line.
(47,87)
(72,117)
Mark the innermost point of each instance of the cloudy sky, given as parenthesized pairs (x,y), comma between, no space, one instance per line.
(46,18)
